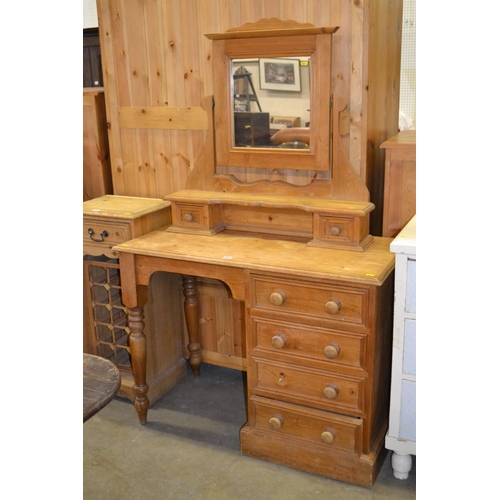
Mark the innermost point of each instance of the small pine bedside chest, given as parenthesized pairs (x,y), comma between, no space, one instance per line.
(108,221)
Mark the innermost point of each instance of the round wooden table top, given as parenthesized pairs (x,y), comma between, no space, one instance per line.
(101,382)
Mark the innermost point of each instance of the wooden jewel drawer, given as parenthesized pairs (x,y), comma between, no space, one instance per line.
(330,391)
(321,428)
(309,300)
(308,345)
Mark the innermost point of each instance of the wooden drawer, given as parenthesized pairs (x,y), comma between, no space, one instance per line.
(196,218)
(315,388)
(308,345)
(310,300)
(336,229)
(189,215)
(319,427)
(105,235)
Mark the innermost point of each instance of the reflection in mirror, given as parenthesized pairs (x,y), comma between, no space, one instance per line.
(271,102)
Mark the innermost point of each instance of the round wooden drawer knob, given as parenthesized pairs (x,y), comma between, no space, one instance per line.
(331,351)
(278,341)
(333,306)
(276,421)
(331,391)
(335,230)
(188,217)
(328,436)
(277,298)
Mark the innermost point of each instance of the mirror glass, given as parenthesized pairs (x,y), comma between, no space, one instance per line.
(271,102)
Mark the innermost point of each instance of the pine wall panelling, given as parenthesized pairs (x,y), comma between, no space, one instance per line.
(157,68)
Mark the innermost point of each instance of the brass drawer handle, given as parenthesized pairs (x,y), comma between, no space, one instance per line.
(103,235)
(333,306)
(276,421)
(277,298)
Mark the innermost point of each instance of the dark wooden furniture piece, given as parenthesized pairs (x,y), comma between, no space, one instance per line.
(101,381)
(92,65)
(251,129)
(400,200)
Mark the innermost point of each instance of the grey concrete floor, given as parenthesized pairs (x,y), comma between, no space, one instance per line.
(190,449)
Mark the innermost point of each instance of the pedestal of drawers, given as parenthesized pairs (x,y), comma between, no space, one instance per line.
(318,375)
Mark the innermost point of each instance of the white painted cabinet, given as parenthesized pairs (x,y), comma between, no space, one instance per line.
(401,437)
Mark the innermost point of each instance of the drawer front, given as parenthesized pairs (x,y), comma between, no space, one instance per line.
(306,344)
(411,286)
(189,215)
(408,421)
(104,234)
(339,229)
(410,347)
(314,388)
(321,428)
(311,300)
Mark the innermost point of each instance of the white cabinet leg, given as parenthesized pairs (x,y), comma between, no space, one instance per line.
(401,464)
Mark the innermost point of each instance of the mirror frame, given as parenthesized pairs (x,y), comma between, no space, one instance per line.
(298,40)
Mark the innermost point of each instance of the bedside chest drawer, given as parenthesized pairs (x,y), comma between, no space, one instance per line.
(306,344)
(321,428)
(103,235)
(311,300)
(315,388)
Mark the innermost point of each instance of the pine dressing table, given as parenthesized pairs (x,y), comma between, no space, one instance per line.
(317,288)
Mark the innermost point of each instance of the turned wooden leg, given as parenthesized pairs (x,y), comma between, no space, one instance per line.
(191,310)
(137,343)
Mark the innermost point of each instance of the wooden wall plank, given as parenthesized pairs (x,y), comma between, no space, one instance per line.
(108,42)
(274,8)
(382,111)
(165,118)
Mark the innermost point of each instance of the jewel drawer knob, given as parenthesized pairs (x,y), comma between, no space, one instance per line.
(276,421)
(335,230)
(328,436)
(188,217)
(333,306)
(277,298)
(331,391)
(331,351)
(278,341)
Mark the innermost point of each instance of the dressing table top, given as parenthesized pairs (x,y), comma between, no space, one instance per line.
(257,252)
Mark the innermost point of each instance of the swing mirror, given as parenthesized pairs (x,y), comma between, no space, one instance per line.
(271,103)
(290,71)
